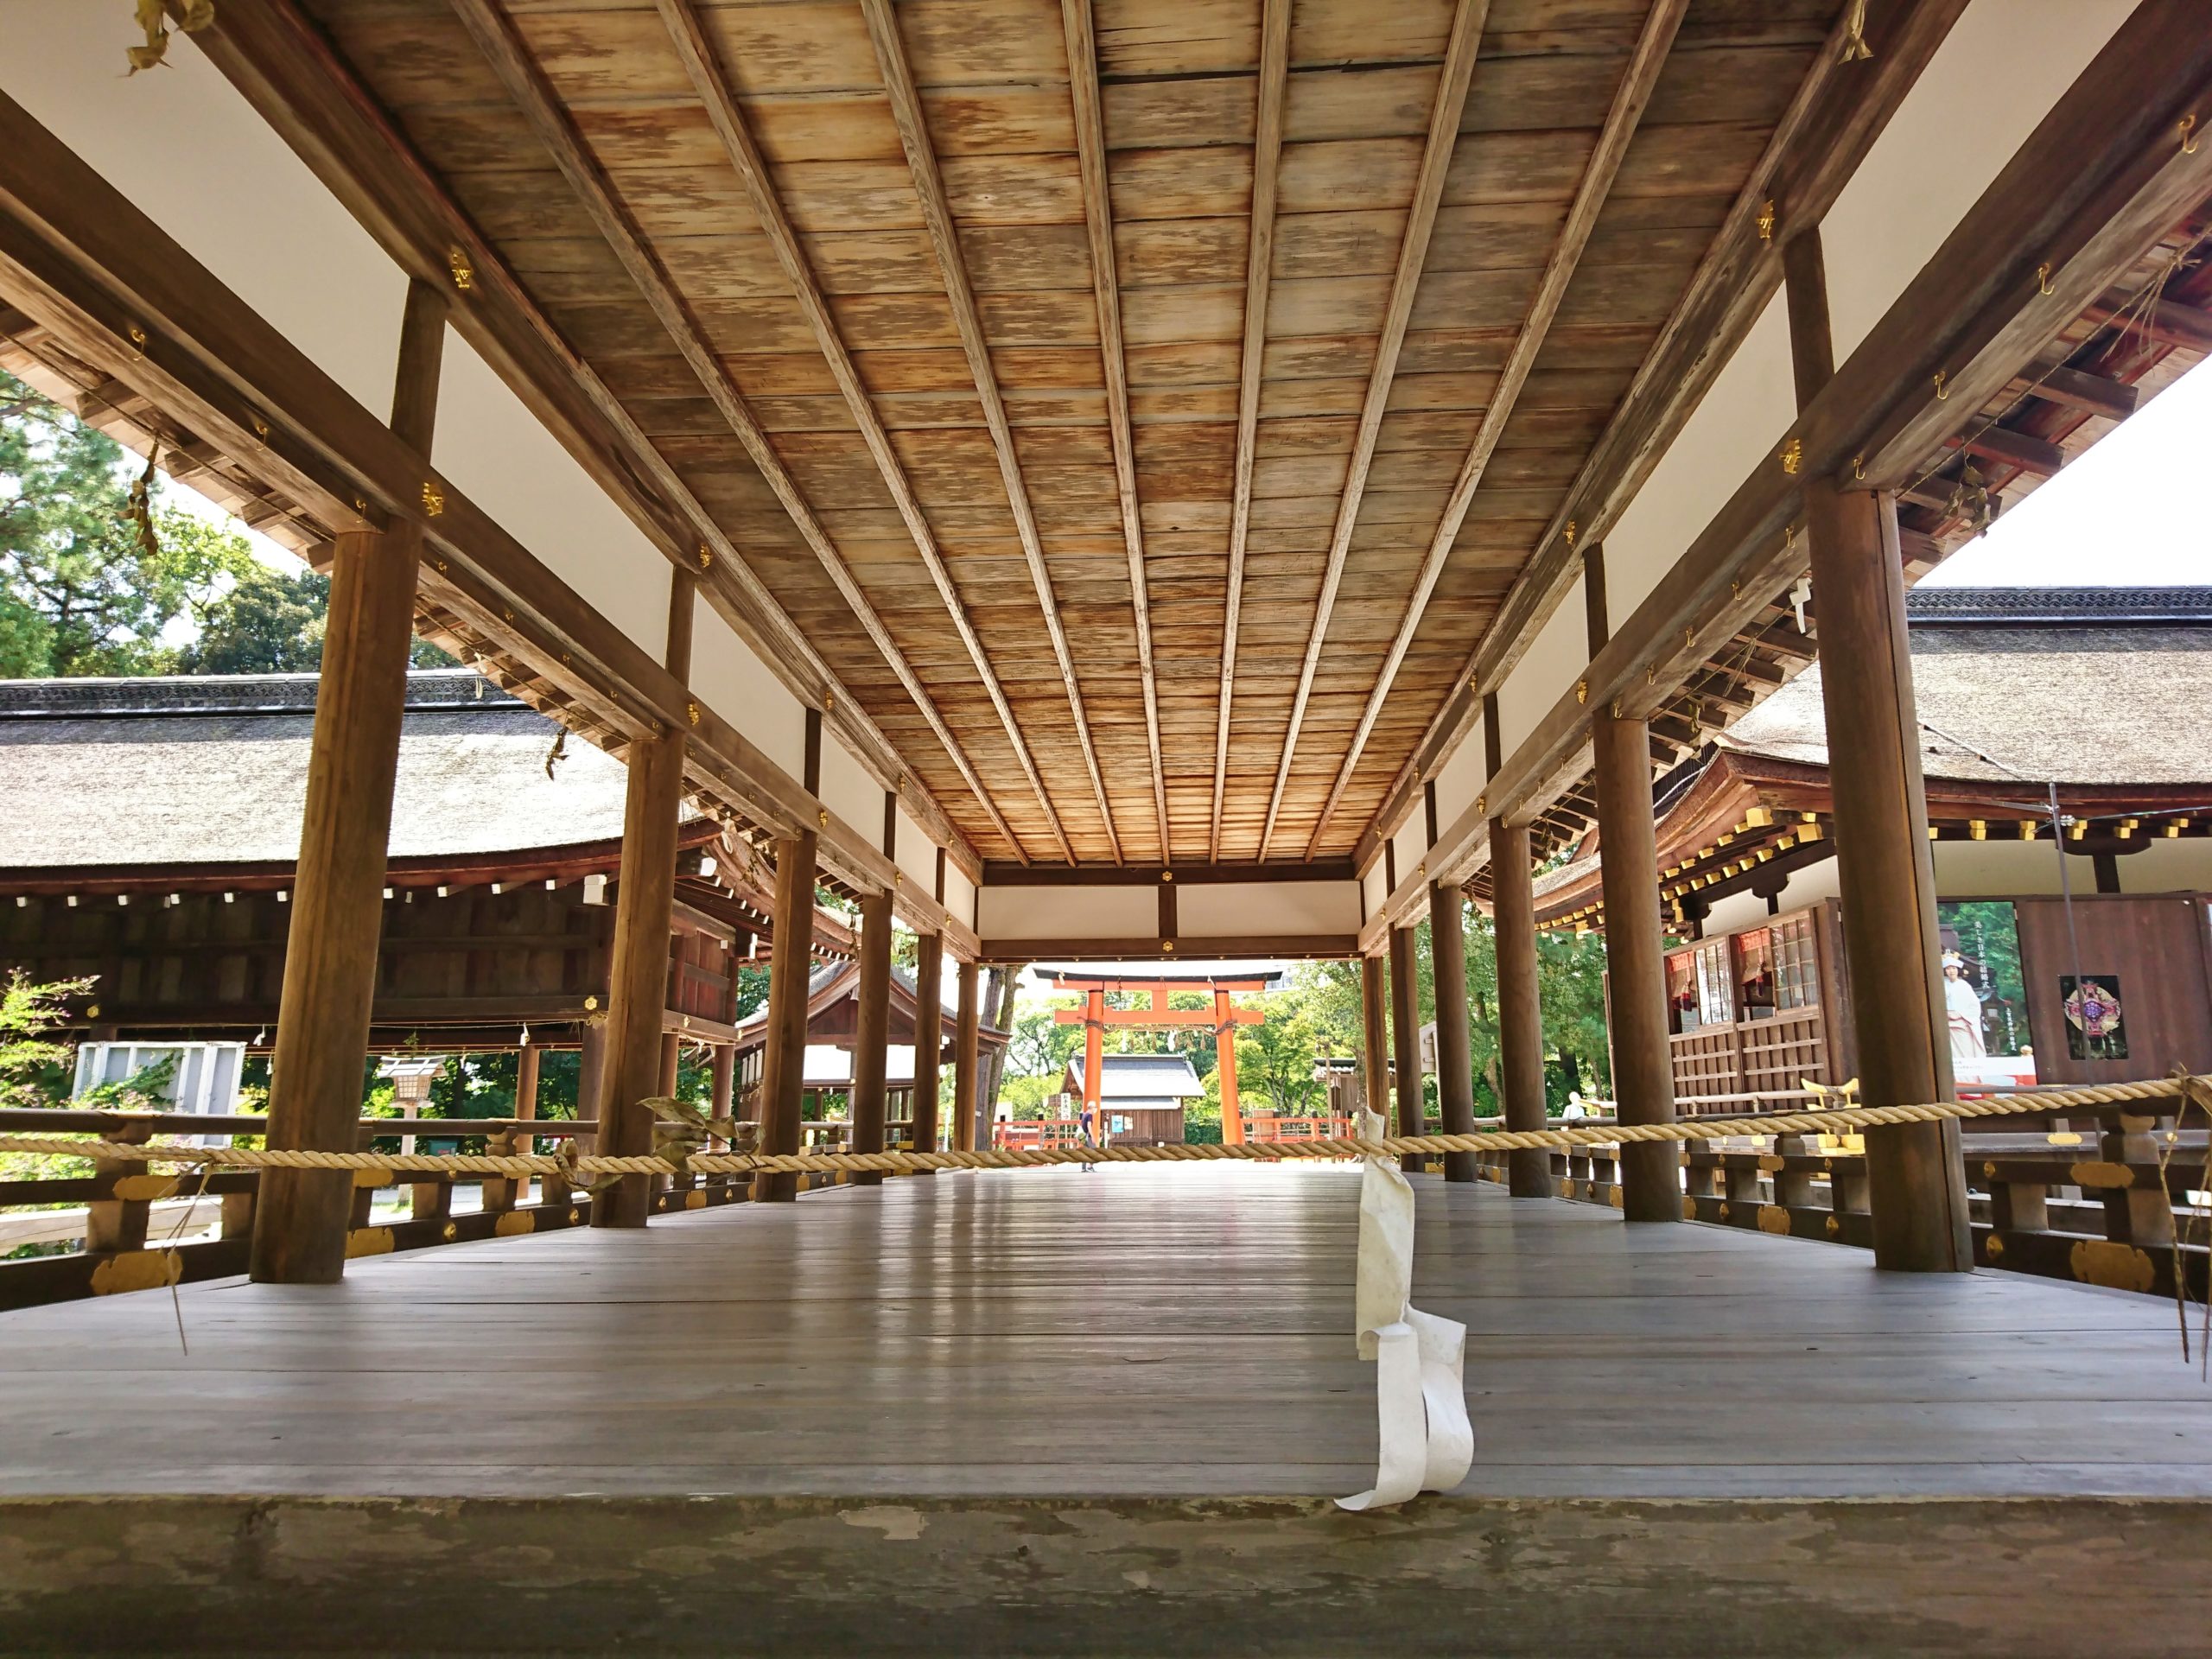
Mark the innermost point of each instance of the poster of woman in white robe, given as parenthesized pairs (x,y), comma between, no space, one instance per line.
(1962,1005)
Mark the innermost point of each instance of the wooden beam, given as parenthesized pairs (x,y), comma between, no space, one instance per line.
(1098,221)
(509,59)
(2015,449)
(1838,112)
(2093,393)
(1259,266)
(1638,81)
(284,66)
(2100,179)
(1452,79)
(697,56)
(2167,321)
(337,911)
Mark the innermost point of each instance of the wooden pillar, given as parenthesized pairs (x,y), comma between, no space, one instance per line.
(526,1066)
(870,1041)
(671,1064)
(1224,1038)
(1405,1040)
(1636,969)
(1519,1011)
(964,1051)
(783,1061)
(1916,1179)
(1094,1061)
(725,1079)
(1915,1182)
(591,1080)
(1375,1037)
(1455,1063)
(337,909)
(929,1036)
(644,919)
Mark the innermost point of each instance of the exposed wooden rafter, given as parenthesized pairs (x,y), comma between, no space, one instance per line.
(1840,108)
(698,59)
(509,59)
(1638,81)
(1267,157)
(1413,253)
(945,238)
(1098,220)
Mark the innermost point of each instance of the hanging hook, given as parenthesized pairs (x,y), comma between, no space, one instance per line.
(2042,278)
(2189,140)
(1942,391)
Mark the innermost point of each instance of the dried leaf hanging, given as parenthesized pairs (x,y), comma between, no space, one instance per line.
(142,507)
(193,16)
(558,752)
(1854,35)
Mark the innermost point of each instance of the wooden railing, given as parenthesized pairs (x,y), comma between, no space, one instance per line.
(2091,1203)
(1022,1135)
(1297,1129)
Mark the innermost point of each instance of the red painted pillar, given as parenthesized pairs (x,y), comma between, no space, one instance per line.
(1094,1061)
(1224,1037)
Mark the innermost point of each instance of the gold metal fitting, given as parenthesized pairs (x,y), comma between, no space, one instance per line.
(822,819)
(137,335)
(706,557)
(1168,945)
(2042,278)
(260,427)
(1942,391)
(1582,691)
(464,274)
(1168,875)
(691,711)
(2189,139)
(1766,220)
(1793,456)
(1571,529)
(434,499)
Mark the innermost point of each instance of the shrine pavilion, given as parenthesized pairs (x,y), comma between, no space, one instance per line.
(1130,485)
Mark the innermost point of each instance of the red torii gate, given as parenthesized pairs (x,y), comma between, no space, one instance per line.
(1221,981)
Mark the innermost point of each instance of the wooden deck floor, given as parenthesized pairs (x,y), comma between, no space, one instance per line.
(1138,1332)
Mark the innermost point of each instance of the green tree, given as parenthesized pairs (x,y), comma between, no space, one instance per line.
(93,573)
(267,623)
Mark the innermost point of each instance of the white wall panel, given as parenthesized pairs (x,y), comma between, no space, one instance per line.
(2004,63)
(1239,909)
(1744,413)
(849,790)
(193,155)
(961,898)
(1411,842)
(1554,661)
(737,685)
(916,854)
(1462,778)
(495,451)
(1375,888)
(2179,865)
(1807,886)
(1072,913)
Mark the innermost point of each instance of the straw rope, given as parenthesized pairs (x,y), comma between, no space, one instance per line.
(1826,1121)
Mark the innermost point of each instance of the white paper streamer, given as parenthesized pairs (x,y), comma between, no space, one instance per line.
(1421,1402)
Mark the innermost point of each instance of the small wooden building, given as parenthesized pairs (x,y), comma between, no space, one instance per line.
(2087,965)
(1142,1096)
(153,829)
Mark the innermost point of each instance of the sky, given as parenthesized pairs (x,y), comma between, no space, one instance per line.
(2134,510)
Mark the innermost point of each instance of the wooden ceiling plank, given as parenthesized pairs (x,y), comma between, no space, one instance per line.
(907,112)
(1638,80)
(1267,157)
(494,31)
(698,59)
(1405,283)
(285,67)
(1839,110)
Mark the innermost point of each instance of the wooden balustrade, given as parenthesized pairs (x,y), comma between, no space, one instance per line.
(2044,1200)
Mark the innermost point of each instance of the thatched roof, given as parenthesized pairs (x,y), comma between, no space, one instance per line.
(2102,686)
(1165,1078)
(191,771)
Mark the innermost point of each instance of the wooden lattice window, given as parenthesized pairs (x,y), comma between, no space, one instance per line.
(1716,995)
(1681,992)
(1796,963)
(1755,974)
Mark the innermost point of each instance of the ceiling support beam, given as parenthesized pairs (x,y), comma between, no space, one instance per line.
(697,55)
(1259,264)
(1840,108)
(1637,83)
(509,59)
(1098,219)
(283,65)
(1413,253)
(2100,183)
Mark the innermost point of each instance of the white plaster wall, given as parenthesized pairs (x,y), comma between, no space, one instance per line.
(1462,778)
(737,685)
(193,155)
(492,448)
(849,790)
(1748,406)
(1411,842)
(1084,913)
(1375,888)
(916,854)
(961,898)
(1555,660)
(1231,909)
(2004,63)
(2177,866)
(1807,886)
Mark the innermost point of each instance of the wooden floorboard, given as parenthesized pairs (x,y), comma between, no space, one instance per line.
(1137,1331)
